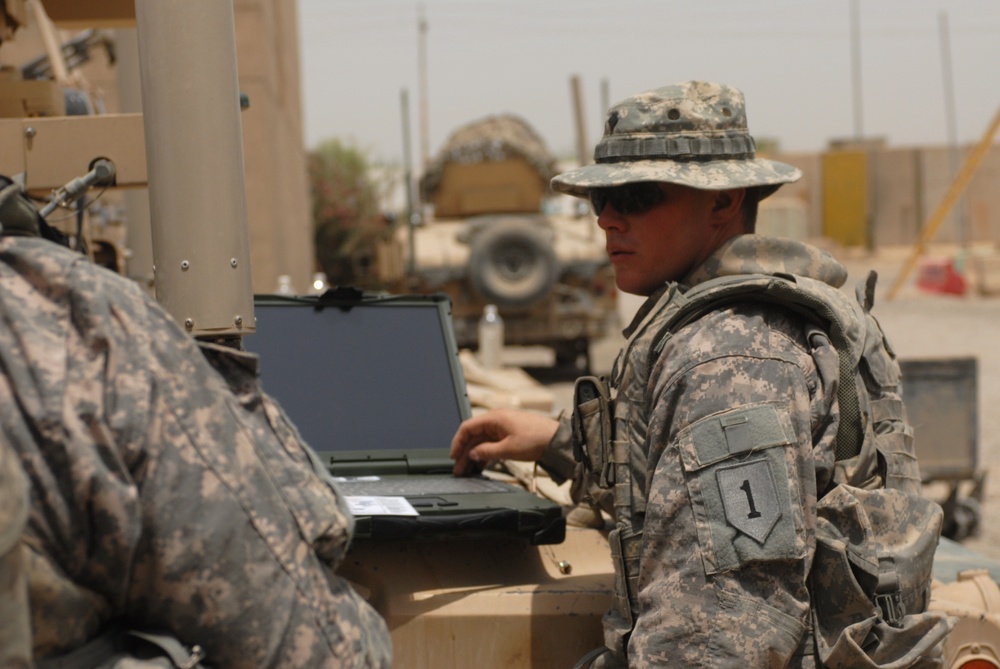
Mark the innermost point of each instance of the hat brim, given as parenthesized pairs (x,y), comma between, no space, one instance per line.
(703,175)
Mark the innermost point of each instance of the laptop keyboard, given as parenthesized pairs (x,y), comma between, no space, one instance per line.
(375,486)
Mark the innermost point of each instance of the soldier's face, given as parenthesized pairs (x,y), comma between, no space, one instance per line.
(657,238)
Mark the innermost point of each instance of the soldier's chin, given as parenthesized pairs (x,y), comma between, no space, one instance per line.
(634,287)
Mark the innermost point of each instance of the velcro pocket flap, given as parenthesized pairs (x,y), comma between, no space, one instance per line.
(737,432)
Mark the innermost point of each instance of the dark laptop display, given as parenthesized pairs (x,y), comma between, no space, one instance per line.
(375,387)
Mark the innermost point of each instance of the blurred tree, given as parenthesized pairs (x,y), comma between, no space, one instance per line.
(347,220)
(768,145)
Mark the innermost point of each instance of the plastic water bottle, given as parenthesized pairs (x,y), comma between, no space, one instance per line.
(490,338)
(318,286)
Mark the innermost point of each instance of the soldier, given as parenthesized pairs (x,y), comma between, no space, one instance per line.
(175,512)
(723,429)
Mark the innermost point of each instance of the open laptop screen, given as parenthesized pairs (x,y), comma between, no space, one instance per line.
(378,375)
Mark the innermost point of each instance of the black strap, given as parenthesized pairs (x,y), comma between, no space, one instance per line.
(99,650)
(588,659)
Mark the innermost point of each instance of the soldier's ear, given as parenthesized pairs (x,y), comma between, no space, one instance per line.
(725,199)
(727,204)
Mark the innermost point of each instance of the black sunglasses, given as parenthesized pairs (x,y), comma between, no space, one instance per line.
(634,198)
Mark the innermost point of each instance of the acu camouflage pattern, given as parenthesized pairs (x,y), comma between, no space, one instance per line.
(167,489)
(749,390)
(693,133)
(872,514)
(15,623)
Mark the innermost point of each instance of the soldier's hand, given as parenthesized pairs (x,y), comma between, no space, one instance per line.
(500,434)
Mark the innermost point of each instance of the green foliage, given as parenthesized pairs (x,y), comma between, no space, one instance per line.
(767,145)
(347,222)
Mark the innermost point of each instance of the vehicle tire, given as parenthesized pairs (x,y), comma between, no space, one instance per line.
(512,263)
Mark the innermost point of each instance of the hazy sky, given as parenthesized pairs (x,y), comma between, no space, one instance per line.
(792,59)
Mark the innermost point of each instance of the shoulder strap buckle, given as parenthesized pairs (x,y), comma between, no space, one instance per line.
(888,596)
(891,605)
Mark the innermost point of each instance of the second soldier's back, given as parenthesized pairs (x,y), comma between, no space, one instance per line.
(169,494)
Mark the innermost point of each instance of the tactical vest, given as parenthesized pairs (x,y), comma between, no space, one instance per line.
(876,536)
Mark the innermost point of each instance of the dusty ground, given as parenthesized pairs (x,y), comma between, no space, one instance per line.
(920,325)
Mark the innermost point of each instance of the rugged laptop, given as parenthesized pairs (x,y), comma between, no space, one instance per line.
(375,387)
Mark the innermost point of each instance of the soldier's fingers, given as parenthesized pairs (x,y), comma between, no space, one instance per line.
(470,434)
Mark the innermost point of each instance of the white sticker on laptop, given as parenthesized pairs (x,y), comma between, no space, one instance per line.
(380,506)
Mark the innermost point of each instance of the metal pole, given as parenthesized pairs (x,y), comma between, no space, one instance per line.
(139,261)
(411,213)
(425,151)
(859,131)
(194,154)
(952,125)
(605,95)
(582,152)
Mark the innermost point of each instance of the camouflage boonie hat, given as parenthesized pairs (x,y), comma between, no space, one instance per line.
(693,134)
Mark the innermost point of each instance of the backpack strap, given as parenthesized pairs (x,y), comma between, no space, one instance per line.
(808,297)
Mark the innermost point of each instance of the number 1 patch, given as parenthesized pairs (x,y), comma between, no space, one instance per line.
(750,498)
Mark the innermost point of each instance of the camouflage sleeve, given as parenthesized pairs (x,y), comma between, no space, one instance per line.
(728,535)
(161,495)
(15,630)
(242,534)
(558,459)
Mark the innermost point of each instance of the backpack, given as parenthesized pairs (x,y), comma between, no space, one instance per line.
(876,535)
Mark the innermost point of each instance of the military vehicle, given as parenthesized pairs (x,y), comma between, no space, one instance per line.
(498,235)
(485,603)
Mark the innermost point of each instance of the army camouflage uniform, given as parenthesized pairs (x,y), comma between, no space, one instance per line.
(15,630)
(168,493)
(734,416)
(701,603)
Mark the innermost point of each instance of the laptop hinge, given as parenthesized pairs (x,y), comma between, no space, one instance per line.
(366,466)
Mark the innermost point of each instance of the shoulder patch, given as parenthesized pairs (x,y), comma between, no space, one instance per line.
(750,498)
(746,508)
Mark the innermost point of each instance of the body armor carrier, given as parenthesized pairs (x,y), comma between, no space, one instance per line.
(875,484)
